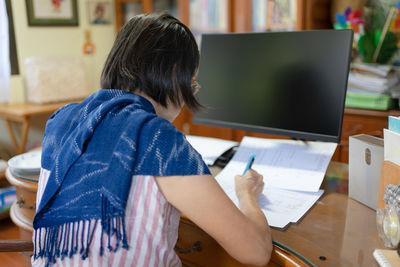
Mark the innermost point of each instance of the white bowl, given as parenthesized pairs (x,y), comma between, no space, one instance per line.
(26,163)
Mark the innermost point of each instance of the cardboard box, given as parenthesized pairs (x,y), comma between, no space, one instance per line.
(390,175)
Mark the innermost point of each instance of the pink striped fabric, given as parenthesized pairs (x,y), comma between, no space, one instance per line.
(152,228)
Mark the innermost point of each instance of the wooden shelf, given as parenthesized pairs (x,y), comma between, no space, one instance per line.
(372,113)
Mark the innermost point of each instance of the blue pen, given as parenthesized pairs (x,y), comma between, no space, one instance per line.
(249,163)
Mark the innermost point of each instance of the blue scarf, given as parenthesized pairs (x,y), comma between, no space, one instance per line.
(93,149)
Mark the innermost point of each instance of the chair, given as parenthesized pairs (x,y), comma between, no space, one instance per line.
(16,246)
(24,247)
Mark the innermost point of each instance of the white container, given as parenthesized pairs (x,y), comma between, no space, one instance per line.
(365,164)
(55,79)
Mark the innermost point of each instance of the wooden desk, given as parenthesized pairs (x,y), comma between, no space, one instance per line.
(341,230)
(22,113)
(337,231)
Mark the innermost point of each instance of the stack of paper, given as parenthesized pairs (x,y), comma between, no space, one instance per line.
(293,172)
(372,86)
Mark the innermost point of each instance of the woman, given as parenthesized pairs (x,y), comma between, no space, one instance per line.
(116,174)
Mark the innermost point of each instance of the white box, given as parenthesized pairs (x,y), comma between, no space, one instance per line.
(55,79)
(365,164)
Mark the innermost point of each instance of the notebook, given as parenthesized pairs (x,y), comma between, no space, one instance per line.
(386,257)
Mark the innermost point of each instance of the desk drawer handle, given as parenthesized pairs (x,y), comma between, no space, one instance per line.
(195,247)
(21,201)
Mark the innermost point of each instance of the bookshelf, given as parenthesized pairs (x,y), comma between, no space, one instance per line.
(124,8)
(234,15)
(200,15)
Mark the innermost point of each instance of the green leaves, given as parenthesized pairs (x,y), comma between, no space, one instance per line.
(369,42)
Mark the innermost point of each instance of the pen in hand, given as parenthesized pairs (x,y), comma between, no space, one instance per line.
(249,163)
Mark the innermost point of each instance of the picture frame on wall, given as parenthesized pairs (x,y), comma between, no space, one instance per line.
(52,12)
(100,12)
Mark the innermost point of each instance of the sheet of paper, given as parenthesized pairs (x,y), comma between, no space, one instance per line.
(280,207)
(309,199)
(210,148)
(285,164)
(277,204)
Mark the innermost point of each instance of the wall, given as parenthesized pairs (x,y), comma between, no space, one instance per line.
(54,41)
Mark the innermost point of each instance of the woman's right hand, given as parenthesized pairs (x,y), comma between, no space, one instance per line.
(251,183)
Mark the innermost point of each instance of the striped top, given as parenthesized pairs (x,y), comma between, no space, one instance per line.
(151,224)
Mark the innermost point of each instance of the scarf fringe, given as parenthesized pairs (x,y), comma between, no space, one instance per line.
(71,238)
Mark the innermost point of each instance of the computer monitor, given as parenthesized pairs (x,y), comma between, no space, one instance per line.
(286,83)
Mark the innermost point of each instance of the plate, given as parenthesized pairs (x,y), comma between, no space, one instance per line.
(32,177)
(26,163)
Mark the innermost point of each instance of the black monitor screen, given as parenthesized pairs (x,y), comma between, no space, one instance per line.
(287,83)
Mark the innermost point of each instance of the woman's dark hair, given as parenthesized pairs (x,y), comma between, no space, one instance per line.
(155,54)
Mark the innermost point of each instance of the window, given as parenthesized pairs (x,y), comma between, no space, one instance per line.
(13,48)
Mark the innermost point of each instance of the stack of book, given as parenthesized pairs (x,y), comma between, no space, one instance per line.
(208,17)
(8,195)
(373,86)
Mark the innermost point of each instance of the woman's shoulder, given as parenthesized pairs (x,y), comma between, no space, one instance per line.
(172,154)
